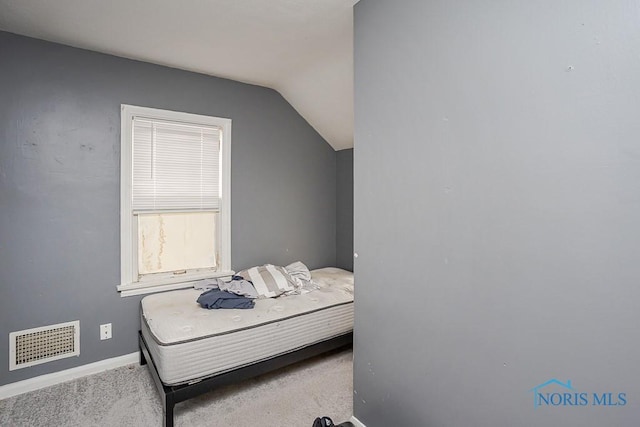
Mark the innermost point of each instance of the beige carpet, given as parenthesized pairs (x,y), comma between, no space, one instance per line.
(126,396)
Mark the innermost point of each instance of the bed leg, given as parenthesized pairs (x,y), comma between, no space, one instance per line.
(143,361)
(168,404)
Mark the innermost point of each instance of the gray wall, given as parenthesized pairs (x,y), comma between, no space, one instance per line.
(344,209)
(59,186)
(497,210)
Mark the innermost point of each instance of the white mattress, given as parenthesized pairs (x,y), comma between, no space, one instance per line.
(188,342)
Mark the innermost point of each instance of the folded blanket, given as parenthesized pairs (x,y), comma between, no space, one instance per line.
(216,298)
(237,285)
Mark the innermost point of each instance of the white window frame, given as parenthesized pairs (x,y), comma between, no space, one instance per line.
(129,282)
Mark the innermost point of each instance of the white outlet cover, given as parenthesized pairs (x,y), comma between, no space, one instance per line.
(105,331)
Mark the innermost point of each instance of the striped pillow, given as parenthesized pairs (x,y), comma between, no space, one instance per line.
(269,280)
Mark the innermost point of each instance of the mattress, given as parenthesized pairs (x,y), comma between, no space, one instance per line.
(188,343)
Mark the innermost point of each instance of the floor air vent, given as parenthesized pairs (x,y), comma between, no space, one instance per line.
(40,345)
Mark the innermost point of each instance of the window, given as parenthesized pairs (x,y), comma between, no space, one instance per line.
(174,199)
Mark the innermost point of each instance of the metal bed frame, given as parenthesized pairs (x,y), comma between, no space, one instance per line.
(171,395)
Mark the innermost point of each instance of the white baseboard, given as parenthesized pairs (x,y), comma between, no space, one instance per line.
(47,380)
(356,422)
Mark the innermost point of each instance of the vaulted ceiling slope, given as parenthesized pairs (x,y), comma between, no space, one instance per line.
(301,48)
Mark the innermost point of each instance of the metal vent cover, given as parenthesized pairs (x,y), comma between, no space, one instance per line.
(40,345)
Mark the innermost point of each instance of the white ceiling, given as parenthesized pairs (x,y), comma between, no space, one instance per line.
(301,48)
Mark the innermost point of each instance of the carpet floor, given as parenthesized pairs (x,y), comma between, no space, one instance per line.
(126,396)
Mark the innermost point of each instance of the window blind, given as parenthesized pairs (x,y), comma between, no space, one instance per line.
(176,166)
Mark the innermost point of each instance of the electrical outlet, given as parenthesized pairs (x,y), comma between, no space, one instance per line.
(105,331)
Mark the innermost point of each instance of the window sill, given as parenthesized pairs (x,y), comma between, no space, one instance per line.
(141,288)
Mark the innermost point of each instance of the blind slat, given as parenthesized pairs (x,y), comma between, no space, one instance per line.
(175,165)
